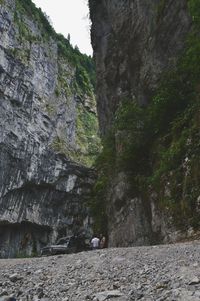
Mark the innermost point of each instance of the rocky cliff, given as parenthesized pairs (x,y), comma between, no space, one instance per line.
(48,132)
(133,42)
(146,55)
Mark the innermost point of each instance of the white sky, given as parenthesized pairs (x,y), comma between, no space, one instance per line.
(69,16)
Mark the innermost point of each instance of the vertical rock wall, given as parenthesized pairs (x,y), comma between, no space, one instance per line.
(134,42)
(43,137)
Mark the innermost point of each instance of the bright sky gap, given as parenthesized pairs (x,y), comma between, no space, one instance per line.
(69,17)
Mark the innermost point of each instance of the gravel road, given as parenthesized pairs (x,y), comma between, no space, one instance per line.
(164,272)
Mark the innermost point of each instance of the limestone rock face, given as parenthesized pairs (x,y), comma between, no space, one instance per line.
(43,186)
(134,42)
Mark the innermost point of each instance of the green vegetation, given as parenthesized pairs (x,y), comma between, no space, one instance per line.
(84,82)
(87,138)
(87,141)
(76,78)
(28,8)
(85,71)
(159,145)
(105,165)
(59,145)
(194,7)
(25,10)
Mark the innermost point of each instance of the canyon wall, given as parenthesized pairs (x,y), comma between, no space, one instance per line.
(48,132)
(140,49)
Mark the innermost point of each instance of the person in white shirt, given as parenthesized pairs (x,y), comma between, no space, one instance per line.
(95,243)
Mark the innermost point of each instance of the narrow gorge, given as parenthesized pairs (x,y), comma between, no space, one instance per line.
(139,183)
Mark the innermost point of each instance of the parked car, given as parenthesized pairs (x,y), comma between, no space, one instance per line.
(66,245)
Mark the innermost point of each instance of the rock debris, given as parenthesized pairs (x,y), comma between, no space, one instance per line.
(158,273)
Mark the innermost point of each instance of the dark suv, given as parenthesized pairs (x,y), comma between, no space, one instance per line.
(66,245)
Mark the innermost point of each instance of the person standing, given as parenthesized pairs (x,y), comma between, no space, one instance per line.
(102,241)
(95,243)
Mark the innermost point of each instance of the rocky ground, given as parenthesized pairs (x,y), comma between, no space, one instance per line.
(165,272)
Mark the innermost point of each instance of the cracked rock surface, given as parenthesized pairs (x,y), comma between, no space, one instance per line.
(44,186)
(165,272)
